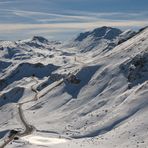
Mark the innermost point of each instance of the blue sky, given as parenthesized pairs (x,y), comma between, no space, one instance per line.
(63,19)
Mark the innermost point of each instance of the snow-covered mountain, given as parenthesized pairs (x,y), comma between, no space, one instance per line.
(100,39)
(89,93)
(103,38)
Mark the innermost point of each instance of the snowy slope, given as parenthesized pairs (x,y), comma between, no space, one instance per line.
(107,108)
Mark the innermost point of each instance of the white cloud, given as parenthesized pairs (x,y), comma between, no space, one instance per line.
(83,25)
(67,21)
(69,16)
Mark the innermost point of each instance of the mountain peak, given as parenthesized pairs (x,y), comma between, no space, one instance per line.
(40,39)
(101,32)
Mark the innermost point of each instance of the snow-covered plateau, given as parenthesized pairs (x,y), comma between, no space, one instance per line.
(91,91)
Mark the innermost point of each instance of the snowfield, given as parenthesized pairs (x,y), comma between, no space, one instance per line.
(90,92)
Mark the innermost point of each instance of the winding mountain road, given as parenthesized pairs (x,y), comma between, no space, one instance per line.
(28,128)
